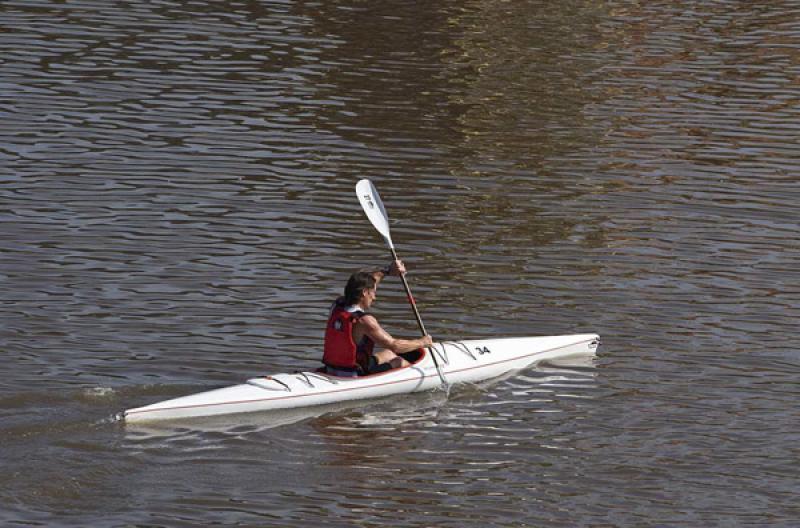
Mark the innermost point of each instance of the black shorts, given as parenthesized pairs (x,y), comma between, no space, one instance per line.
(375,368)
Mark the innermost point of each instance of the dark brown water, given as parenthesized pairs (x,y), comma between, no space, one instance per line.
(177,212)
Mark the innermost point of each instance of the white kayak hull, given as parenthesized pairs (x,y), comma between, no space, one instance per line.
(460,361)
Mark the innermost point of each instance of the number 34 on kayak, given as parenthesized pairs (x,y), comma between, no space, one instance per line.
(361,360)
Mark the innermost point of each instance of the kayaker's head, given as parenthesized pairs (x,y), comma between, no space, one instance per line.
(361,289)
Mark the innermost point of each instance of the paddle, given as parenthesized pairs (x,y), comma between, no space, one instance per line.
(373,207)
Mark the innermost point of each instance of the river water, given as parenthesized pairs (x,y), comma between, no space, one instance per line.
(177,208)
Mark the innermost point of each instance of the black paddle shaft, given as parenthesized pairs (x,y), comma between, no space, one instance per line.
(419,318)
(411,299)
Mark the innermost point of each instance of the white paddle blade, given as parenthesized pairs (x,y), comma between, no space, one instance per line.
(374,209)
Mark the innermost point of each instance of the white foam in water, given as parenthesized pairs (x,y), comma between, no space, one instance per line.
(99,392)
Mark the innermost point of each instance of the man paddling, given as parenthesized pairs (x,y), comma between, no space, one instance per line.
(352,332)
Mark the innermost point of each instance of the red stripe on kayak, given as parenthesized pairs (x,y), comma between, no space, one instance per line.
(198,406)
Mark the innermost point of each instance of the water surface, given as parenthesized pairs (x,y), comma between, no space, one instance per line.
(177,211)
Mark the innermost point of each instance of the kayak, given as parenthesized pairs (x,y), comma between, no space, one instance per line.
(460,362)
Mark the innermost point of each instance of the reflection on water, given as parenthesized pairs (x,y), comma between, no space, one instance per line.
(177,211)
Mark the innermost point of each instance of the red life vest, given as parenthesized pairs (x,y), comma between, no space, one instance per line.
(341,350)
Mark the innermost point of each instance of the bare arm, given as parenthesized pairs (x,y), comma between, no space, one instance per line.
(395,269)
(382,338)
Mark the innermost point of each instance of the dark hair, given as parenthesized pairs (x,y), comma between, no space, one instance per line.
(359,281)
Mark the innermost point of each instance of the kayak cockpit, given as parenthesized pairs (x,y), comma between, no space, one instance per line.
(313,379)
(414,357)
